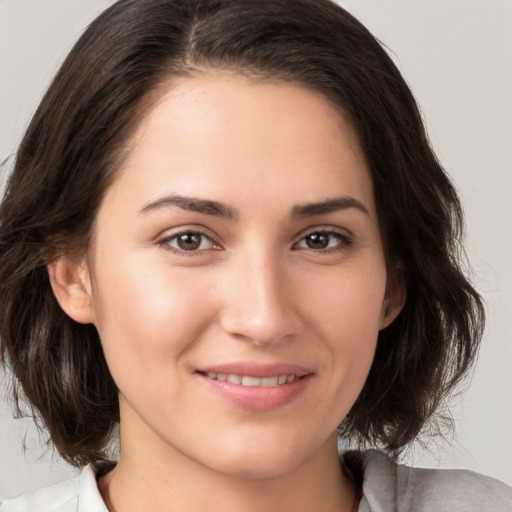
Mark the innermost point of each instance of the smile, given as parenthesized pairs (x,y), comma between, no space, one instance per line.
(255,387)
(247,380)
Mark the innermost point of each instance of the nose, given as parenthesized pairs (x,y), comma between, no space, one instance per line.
(258,304)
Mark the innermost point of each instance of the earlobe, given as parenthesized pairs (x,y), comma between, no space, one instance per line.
(71,285)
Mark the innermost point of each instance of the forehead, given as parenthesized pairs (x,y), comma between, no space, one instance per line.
(220,133)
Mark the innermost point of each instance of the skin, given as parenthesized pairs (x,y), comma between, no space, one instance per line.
(256,290)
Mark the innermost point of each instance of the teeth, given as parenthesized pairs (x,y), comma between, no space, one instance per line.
(247,380)
(235,379)
(269,381)
(251,381)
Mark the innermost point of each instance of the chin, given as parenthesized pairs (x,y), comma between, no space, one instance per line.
(259,468)
(260,459)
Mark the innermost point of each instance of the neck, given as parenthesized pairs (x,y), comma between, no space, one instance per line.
(171,481)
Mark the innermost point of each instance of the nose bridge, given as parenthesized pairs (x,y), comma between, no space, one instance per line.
(257,306)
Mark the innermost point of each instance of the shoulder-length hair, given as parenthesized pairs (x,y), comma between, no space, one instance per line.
(74,146)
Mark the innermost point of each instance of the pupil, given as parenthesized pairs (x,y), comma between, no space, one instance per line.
(318,241)
(189,241)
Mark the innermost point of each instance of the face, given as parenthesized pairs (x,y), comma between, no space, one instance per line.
(238,277)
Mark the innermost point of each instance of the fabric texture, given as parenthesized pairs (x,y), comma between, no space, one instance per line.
(390,487)
(387,487)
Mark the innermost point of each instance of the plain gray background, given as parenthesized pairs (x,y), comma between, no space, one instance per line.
(457,57)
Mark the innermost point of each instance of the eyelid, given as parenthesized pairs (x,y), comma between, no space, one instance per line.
(346,238)
(163,240)
(325,228)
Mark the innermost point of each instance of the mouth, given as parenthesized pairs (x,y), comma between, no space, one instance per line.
(256,388)
(251,381)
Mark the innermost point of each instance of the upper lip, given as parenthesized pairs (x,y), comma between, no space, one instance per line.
(256,369)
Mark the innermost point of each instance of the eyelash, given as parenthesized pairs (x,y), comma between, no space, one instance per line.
(166,242)
(344,242)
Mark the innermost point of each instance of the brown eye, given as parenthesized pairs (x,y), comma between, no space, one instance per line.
(324,241)
(188,241)
(318,240)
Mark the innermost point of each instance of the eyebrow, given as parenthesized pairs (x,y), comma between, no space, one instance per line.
(217,209)
(327,206)
(193,204)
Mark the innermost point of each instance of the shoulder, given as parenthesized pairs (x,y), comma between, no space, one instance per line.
(61,497)
(78,494)
(388,486)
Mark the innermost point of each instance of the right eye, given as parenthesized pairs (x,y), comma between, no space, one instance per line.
(188,242)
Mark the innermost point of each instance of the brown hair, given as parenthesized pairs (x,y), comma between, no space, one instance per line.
(75,144)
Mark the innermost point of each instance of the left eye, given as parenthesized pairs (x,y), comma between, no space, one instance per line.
(189,241)
(321,240)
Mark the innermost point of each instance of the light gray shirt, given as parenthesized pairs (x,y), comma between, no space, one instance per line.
(387,487)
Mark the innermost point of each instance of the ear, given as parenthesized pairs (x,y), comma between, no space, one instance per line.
(393,303)
(71,284)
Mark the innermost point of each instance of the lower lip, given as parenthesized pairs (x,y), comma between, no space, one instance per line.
(257,398)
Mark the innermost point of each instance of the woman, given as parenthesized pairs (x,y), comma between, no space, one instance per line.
(227,233)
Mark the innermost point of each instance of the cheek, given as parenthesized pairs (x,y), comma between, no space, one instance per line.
(145,314)
(346,312)
(349,301)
